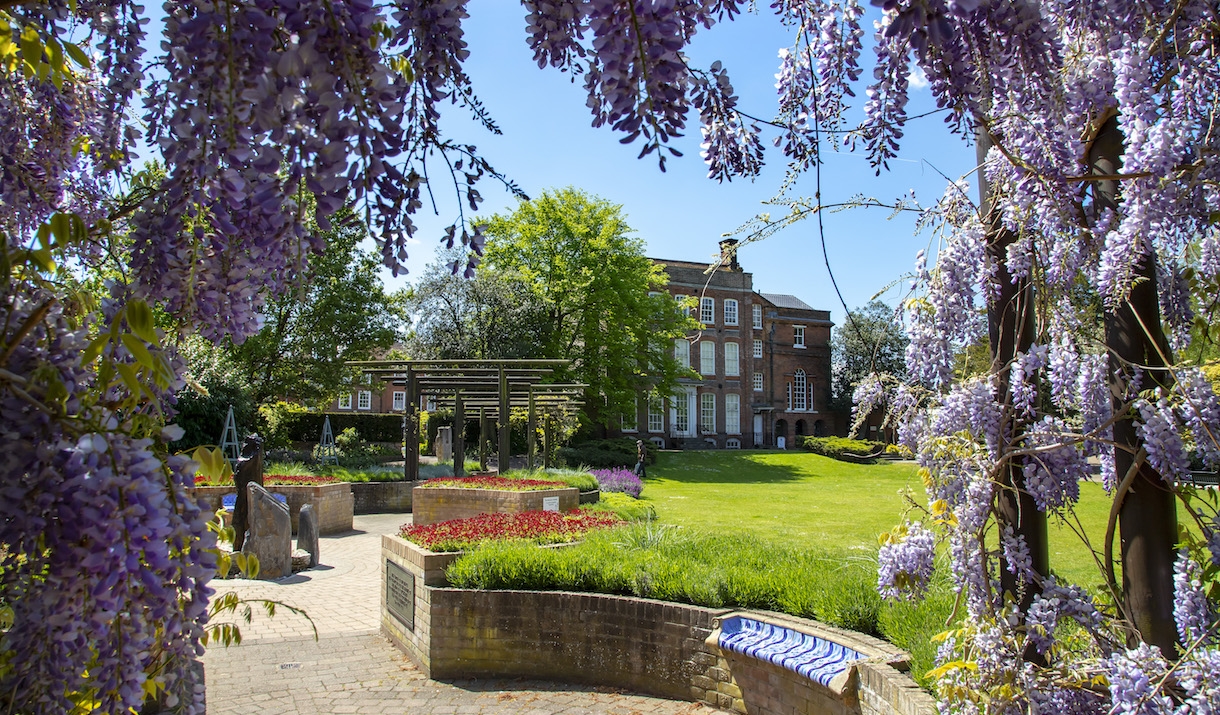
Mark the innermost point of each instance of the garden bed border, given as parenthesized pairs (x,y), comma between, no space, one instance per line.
(640,644)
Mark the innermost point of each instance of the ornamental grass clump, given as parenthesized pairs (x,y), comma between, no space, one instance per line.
(579,478)
(620,479)
(501,483)
(536,527)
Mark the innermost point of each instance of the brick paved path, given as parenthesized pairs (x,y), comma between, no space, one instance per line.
(280,669)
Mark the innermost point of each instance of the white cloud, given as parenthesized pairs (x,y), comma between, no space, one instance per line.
(917,78)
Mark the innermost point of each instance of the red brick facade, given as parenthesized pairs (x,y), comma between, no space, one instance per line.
(764,361)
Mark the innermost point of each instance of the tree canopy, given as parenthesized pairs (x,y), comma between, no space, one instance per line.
(604,303)
(870,340)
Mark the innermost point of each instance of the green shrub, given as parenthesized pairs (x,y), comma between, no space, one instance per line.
(580,479)
(842,447)
(628,508)
(202,417)
(604,454)
(716,570)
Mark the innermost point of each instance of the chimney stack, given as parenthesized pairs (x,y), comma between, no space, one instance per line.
(728,254)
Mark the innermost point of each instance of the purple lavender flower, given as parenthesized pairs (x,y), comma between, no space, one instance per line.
(620,479)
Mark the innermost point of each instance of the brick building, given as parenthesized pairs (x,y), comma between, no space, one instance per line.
(763,361)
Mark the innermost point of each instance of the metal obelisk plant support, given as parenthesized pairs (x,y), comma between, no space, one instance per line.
(228,440)
(327,453)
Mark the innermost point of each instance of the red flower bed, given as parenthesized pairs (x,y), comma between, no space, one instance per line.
(543,527)
(512,485)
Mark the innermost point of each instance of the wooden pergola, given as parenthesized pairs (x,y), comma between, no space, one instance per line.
(492,387)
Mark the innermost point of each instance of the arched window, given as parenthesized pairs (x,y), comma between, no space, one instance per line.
(800,428)
(800,391)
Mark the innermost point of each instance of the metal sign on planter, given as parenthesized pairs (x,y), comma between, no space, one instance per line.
(400,593)
(550,503)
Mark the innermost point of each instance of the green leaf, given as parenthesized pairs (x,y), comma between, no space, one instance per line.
(61,228)
(140,320)
(129,376)
(77,54)
(138,351)
(31,46)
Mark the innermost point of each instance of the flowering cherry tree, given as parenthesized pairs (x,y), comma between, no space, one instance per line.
(1099,196)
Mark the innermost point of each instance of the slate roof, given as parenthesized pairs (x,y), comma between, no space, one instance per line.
(782,300)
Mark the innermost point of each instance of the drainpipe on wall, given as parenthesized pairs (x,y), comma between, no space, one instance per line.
(770,426)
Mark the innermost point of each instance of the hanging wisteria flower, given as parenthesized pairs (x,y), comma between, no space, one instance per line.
(1190,609)
(1166,451)
(906,561)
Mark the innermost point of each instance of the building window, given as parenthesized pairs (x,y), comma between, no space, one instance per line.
(400,401)
(757,349)
(681,423)
(683,304)
(800,392)
(627,423)
(732,365)
(707,311)
(758,382)
(789,388)
(730,312)
(707,413)
(732,413)
(811,407)
(707,357)
(757,316)
(430,404)
(364,400)
(732,444)
(798,336)
(345,401)
(682,352)
(656,413)
(368,378)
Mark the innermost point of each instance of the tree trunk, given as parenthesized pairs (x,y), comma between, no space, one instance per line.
(1011,328)
(1147,517)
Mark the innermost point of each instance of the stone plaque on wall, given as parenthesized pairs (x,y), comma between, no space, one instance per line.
(400,593)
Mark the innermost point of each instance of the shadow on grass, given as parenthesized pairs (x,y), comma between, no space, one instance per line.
(724,467)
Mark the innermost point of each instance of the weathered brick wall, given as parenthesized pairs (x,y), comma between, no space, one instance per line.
(633,643)
(432,505)
(382,497)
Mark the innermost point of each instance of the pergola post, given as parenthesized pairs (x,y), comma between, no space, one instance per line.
(504,452)
(410,430)
(459,435)
(482,439)
(547,440)
(531,428)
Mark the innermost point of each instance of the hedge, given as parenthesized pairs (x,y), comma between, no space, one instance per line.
(842,448)
(604,453)
(286,424)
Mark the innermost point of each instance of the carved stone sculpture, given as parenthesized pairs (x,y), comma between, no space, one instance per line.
(270,537)
(249,471)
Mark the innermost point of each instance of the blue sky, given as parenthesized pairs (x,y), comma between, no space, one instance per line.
(681,214)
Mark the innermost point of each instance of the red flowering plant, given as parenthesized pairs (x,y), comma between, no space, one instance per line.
(541,527)
(512,485)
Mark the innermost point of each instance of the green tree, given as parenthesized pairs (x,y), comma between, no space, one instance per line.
(605,303)
(495,315)
(341,312)
(871,340)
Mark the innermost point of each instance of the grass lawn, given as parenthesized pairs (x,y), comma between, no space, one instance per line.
(806,499)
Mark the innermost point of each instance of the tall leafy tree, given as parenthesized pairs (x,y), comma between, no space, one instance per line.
(870,340)
(495,315)
(340,312)
(604,301)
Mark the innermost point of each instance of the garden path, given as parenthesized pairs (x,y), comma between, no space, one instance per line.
(280,669)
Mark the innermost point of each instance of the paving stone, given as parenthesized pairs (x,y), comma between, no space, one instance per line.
(351,668)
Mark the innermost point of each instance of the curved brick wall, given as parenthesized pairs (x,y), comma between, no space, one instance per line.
(638,644)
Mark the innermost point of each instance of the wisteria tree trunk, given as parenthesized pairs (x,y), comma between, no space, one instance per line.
(1011,331)
(1147,517)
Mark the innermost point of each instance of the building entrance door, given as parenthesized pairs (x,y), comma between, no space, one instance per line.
(758,430)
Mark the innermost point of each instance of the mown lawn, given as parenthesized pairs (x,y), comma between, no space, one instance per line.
(806,499)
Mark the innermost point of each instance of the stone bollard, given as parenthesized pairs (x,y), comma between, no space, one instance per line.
(307,533)
(270,534)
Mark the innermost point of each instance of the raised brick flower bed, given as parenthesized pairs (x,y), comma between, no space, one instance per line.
(332,503)
(430,505)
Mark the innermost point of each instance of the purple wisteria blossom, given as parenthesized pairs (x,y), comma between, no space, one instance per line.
(905,563)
